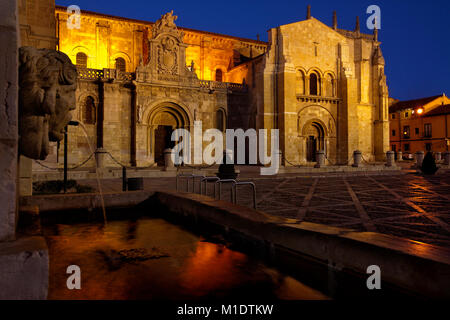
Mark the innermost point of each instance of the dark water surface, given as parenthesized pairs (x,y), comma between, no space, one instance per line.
(192,269)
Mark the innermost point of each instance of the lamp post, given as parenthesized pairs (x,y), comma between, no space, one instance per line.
(71,123)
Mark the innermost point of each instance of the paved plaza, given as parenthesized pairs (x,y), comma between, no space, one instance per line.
(405,204)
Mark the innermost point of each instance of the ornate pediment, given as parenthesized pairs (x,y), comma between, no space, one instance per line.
(166,25)
(167,53)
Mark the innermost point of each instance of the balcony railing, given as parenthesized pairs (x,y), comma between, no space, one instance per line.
(216,85)
(95,74)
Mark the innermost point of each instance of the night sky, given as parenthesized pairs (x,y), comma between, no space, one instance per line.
(415,35)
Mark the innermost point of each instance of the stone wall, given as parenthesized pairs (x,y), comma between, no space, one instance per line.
(9,40)
(37,28)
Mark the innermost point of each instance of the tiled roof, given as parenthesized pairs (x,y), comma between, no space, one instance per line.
(444,109)
(411,104)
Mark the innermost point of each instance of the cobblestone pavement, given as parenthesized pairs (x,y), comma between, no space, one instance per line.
(406,205)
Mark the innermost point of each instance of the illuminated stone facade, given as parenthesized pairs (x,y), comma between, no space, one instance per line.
(322,87)
(325,89)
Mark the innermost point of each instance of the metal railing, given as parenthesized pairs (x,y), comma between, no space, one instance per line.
(217,182)
(205,181)
(220,181)
(182,176)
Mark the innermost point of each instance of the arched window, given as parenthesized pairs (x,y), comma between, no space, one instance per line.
(88,110)
(300,82)
(121,65)
(219,75)
(314,84)
(329,86)
(81,60)
(221,120)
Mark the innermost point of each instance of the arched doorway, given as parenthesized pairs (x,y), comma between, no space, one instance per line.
(163,120)
(314,140)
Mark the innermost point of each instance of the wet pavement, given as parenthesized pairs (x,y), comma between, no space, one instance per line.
(407,205)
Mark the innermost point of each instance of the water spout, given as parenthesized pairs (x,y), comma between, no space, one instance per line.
(96,173)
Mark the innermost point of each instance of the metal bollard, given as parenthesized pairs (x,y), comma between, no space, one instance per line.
(124,178)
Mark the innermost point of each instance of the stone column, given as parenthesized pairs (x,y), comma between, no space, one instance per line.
(100,155)
(357,156)
(390,159)
(399,156)
(23,261)
(447,158)
(419,158)
(438,156)
(168,161)
(8,118)
(320,155)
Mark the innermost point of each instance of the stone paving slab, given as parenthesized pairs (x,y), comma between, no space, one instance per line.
(406,205)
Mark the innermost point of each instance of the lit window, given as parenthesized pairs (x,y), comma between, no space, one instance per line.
(219,75)
(89,111)
(406,132)
(81,60)
(121,65)
(427,130)
(314,84)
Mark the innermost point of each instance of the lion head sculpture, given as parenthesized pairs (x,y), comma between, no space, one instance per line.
(47,84)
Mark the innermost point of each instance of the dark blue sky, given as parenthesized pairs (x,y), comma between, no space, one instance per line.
(415,34)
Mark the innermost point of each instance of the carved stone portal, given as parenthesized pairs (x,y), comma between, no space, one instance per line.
(47,84)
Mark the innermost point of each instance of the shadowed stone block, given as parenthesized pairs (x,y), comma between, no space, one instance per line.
(168,163)
(357,156)
(419,158)
(320,155)
(24,269)
(390,158)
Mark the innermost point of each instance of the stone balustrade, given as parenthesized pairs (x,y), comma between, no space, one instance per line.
(95,74)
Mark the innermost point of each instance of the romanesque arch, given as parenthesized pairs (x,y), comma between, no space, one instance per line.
(317,131)
(162,119)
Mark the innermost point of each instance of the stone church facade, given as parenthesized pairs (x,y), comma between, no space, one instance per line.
(324,88)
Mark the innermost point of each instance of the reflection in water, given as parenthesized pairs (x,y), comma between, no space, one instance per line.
(193,270)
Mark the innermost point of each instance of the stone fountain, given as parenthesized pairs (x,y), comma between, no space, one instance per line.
(36,96)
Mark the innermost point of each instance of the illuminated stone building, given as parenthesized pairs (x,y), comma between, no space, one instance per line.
(324,88)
